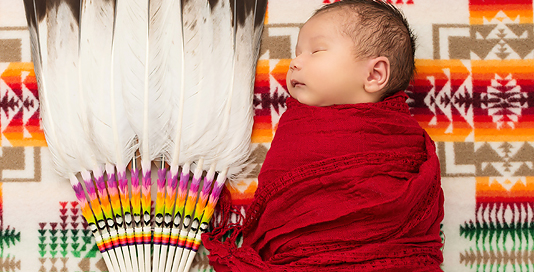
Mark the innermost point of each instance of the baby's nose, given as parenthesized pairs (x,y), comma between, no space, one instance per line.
(295,64)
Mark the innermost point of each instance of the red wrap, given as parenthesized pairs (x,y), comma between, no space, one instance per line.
(343,188)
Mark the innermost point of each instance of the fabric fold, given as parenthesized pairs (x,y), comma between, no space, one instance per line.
(343,187)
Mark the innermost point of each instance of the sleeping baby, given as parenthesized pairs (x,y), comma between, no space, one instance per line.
(351,182)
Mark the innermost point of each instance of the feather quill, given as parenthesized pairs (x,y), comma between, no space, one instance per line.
(187,205)
(132,21)
(151,121)
(234,139)
(55,41)
(212,35)
(111,135)
(124,139)
(190,121)
(165,63)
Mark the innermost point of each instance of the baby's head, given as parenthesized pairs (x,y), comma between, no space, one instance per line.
(352,51)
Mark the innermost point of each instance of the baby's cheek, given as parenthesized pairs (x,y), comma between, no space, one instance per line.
(324,71)
(288,75)
(322,77)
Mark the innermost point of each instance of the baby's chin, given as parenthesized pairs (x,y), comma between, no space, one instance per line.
(296,95)
(310,102)
(305,97)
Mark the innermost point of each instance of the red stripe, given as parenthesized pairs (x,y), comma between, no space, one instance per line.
(500,2)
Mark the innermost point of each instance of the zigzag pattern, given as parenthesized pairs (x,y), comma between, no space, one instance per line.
(9,264)
(452,102)
(19,106)
(487,259)
(66,240)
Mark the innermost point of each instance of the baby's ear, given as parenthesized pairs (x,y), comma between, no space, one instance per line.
(379,71)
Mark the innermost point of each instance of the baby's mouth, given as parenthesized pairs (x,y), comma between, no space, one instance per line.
(296,83)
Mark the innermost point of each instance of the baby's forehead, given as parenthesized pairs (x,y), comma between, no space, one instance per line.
(344,12)
(342,15)
(342,21)
(344,18)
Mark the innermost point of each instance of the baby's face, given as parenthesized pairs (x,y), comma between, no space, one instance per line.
(325,71)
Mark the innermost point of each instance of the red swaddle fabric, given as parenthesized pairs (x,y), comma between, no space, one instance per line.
(344,187)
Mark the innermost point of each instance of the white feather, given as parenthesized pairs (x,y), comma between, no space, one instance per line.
(114,137)
(62,115)
(141,104)
(182,99)
(123,133)
(194,21)
(109,130)
(217,47)
(233,138)
(237,125)
(37,22)
(166,63)
(56,44)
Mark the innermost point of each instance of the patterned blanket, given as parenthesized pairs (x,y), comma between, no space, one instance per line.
(473,93)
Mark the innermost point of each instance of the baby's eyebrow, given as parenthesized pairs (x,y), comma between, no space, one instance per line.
(318,37)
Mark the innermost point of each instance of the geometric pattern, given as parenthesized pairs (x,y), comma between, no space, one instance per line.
(19,106)
(21,135)
(482,90)
(480,159)
(9,237)
(20,164)
(66,241)
(458,100)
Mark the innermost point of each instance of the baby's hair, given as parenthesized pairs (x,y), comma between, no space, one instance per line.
(380,29)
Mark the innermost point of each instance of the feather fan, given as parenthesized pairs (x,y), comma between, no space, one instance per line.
(170,79)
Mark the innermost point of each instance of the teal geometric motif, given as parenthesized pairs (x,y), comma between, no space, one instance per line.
(69,240)
(8,238)
(499,246)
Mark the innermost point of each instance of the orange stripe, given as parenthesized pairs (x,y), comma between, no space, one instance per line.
(262,67)
(189,243)
(515,135)
(28,142)
(123,237)
(436,66)
(262,136)
(238,196)
(182,241)
(520,69)
(439,135)
(478,17)
(266,15)
(115,241)
(487,188)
